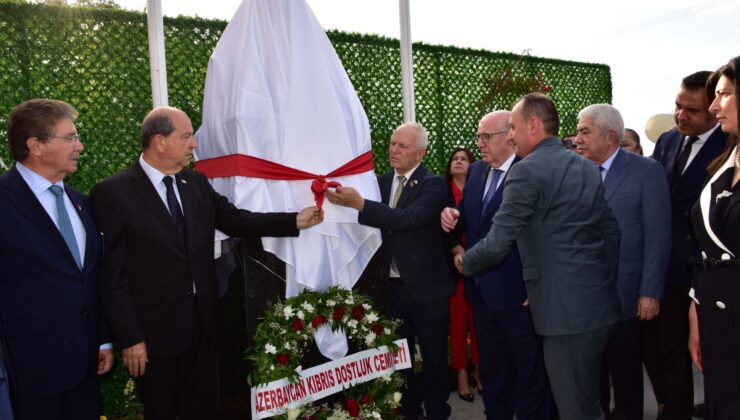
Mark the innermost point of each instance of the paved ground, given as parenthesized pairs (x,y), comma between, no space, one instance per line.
(474,411)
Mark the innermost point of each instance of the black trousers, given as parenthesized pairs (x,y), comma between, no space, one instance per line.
(183,386)
(624,359)
(429,322)
(666,354)
(78,403)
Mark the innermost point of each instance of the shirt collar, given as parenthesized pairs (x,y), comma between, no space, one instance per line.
(704,136)
(507,164)
(37,183)
(408,174)
(608,163)
(155,175)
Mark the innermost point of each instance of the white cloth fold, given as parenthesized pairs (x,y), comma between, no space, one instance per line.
(276,89)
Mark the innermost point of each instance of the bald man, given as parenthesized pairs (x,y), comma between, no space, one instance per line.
(158,283)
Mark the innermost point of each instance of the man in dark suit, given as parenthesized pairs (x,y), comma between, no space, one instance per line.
(684,152)
(511,366)
(49,254)
(554,210)
(415,257)
(637,193)
(158,281)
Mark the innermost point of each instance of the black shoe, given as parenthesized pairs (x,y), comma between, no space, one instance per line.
(469,397)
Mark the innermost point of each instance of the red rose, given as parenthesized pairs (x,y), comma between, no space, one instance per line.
(352,408)
(365,399)
(357,312)
(281,358)
(317,321)
(297,324)
(377,329)
(338,313)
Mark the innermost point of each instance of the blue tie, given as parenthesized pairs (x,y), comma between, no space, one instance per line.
(491,189)
(65,225)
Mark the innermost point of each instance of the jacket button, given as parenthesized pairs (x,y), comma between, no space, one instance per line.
(720,305)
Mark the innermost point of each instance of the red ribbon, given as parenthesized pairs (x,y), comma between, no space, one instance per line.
(254,167)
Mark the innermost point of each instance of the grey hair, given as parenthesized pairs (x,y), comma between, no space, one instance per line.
(606,117)
(422,137)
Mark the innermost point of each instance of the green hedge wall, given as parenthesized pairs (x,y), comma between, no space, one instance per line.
(97,59)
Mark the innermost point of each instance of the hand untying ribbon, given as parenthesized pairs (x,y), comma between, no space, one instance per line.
(253,167)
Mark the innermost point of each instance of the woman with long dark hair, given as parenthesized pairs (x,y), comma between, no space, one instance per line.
(461,311)
(714,339)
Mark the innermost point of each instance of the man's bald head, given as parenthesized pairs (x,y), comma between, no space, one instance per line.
(158,121)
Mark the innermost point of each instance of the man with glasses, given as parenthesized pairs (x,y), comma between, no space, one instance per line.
(511,365)
(49,254)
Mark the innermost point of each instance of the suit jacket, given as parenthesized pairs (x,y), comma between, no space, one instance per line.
(148,272)
(554,209)
(48,306)
(684,193)
(501,285)
(411,233)
(637,193)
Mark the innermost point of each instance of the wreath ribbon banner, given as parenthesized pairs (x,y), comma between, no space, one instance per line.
(278,396)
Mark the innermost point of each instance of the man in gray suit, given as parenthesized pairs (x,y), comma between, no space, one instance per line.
(554,209)
(637,193)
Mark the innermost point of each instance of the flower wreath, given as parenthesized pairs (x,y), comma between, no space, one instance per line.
(283,336)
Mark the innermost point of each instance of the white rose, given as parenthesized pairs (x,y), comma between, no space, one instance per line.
(397,397)
(300,314)
(270,349)
(307,306)
(371,317)
(370,338)
(331,303)
(287,312)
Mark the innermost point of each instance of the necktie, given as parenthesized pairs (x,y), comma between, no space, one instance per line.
(491,188)
(175,210)
(399,190)
(683,157)
(65,225)
(601,171)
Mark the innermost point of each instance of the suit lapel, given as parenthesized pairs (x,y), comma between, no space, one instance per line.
(616,173)
(91,233)
(148,194)
(474,192)
(709,194)
(189,205)
(29,206)
(409,188)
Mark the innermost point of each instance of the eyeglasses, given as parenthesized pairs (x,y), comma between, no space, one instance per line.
(488,136)
(70,138)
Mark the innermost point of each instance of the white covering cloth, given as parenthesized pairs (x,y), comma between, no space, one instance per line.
(276,90)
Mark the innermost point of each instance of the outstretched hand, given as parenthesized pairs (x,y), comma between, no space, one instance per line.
(346,197)
(308,217)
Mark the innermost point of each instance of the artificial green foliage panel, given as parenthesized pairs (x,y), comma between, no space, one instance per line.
(98,60)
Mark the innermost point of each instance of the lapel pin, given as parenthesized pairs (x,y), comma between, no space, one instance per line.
(79,207)
(413,183)
(723,194)
(182,181)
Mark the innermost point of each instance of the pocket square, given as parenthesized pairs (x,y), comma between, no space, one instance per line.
(723,194)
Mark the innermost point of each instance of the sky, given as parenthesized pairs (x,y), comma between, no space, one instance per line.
(650,45)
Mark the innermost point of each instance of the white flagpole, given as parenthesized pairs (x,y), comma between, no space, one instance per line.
(157,61)
(407,68)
